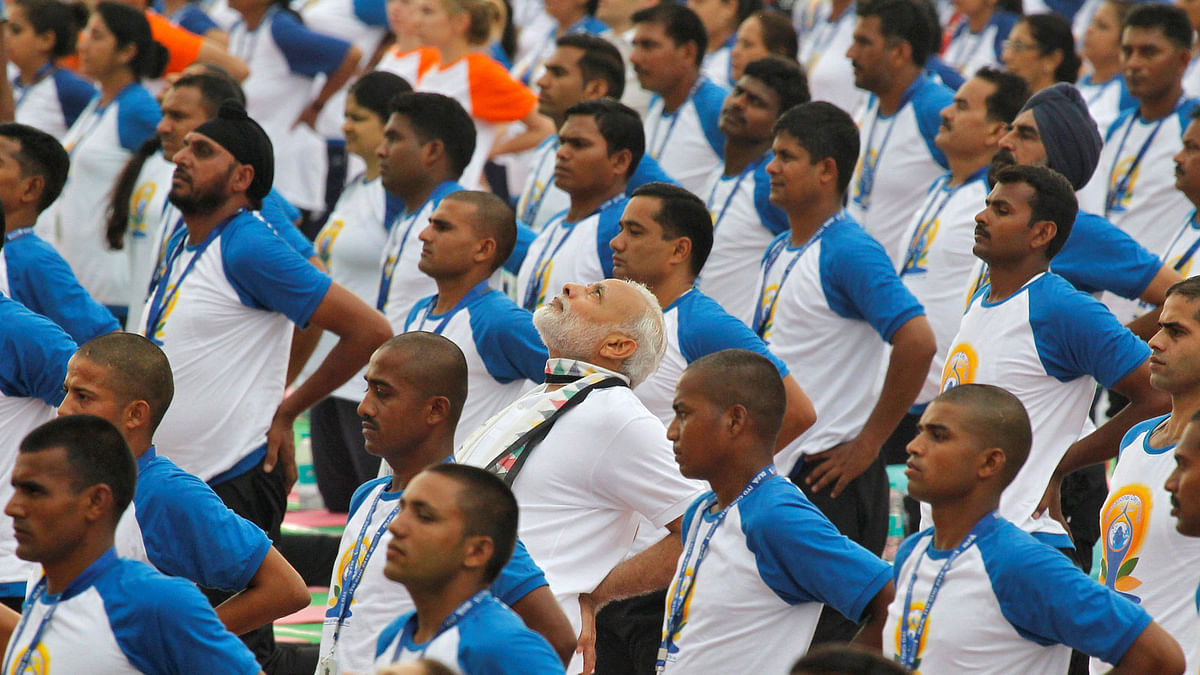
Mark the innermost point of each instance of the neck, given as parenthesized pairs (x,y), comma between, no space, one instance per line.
(804,224)
(838,7)
(453,52)
(139,446)
(1183,406)
(889,101)
(582,206)
(436,604)
(730,483)
(372,170)
(452,291)
(961,168)
(717,40)
(25,217)
(1160,107)
(409,462)
(1104,72)
(565,22)
(60,573)
(953,522)
(27,73)
(419,195)
(739,154)
(678,94)
(254,16)
(1006,281)
(199,226)
(669,290)
(979,21)
(114,83)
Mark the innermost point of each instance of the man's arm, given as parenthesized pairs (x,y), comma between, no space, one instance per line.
(1154,651)
(1103,444)
(543,615)
(274,591)
(913,347)
(360,330)
(1146,325)
(798,416)
(333,83)
(871,633)
(8,623)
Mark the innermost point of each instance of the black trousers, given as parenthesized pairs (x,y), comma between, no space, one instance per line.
(340,460)
(628,633)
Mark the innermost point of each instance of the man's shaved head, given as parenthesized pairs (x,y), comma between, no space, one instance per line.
(494,219)
(994,418)
(433,365)
(740,377)
(138,370)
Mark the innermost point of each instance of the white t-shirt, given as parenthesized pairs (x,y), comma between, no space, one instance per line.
(1181,254)
(967,52)
(146,206)
(897,158)
(823,46)
(688,143)
(716,65)
(401,283)
(54,102)
(744,224)
(565,252)
(1105,101)
(1145,557)
(938,261)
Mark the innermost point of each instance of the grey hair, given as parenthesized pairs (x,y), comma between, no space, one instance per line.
(648,330)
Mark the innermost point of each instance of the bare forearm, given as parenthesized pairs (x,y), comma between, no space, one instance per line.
(797,417)
(647,571)
(304,342)
(346,358)
(275,591)
(908,365)
(1104,443)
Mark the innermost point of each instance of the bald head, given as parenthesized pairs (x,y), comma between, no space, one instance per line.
(137,370)
(431,364)
(739,377)
(493,219)
(994,418)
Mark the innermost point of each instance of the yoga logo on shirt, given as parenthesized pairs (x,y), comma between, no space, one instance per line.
(1123,523)
(1121,190)
(960,366)
(768,311)
(326,237)
(138,204)
(911,623)
(866,178)
(916,261)
(39,661)
(343,564)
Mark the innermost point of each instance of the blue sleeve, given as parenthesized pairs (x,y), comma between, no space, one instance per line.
(803,558)
(360,494)
(609,227)
(195,20)
(772,217)
(1184,113)
(906,548)
(74,93)
(308,52)
(164,625)
(709,329)
(708,100)
(371,12)
(1004,22)
(525,237)
(33,354)
(268,274)
(41,280)
(506,340)
(1075,335)
(1099,256)
(278,213)
(137,118)
(189,532)
(1127,100)
(391,633)
(1095,620)
(860,283)
(943,73)
(519,577)
(392,206)
(648,171)
(927,106)
(504,646)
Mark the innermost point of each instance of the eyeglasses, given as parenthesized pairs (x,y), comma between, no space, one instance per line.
(1017,45)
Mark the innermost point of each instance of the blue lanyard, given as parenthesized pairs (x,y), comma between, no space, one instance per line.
(1100,89)
(674,118)
(1116,189)
(965,59)
(245,47)
(685,583)
(161,297)
(729,199)
(389,266)
(449,622)
(89,120)
(534,290)
(761,317)
(20,233)
(866,172)
(479,290)
(1188,226)
(940,185)
(40,75)
(355,570)
(910,636)
(531,209)
(828,29)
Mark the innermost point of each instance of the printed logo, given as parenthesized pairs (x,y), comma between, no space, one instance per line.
(981,279)
(341,579)
(326,237)
(160,328)
(916,260)
(1123,524)
(1120,199)
(39,661)
(910,623)
(138,204)
(866,178)
(960,366)
(767,310)
(541,281)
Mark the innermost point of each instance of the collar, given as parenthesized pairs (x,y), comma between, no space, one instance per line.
(146,458)
(564,371)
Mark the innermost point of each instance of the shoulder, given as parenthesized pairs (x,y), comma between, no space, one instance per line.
(366,490)
(496,640)
(70,84)
(710,96)
(1185,111)
(136,101)
(1139,429)
(247,238)
(930,97)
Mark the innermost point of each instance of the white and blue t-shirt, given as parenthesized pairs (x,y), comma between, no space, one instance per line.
(757,594)
(222,311)
(181,527)
(541,199)
(401,283)
(1047,344)
(33,365)
(744,224)
(897,153)
(840,284)
(688,143)
(504,352)
(823,45)
(695,326)
(1008,604)
(1105,100)
(1181,254)
(967,52)
(718,65)
(488,638)
(149,213)
(1144,557)
(566,252)
(376,600)
(53,102)
(41,280)
(120,616)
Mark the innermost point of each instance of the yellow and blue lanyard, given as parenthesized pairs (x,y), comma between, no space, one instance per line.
(1118,188)
(449,622)
(161,298)
(761,317)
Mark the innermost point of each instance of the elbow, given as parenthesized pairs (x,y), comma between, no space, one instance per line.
(564,644)
(296,596)
(377,331)
(238,69)
(915,340)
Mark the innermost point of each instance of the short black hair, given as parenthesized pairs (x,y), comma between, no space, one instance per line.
(440,118)
(996,418)
(40,155)
(1012,91)
(139,370)
(489,509)
(1052,33)
(214,89)
(494,219)
(845,659)
(681,24)
(96,453)
(375,90)
(619,124)
(742,377)
(52,16)
(1053,199)
(438,367)
(1188,289)
(600,61)
(1171,19)
(902,21)
(782,76)
(682,214)
(825,131)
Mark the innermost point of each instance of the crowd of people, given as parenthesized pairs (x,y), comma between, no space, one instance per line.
(822,245)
